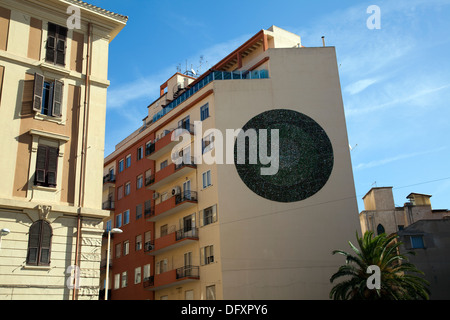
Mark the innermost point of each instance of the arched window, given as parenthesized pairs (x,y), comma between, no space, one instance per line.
(380,229)
(39,243)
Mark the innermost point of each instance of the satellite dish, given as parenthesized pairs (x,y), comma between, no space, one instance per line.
(192,70)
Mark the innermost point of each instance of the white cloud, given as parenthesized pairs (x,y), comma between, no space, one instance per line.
(360,85)
(380,162)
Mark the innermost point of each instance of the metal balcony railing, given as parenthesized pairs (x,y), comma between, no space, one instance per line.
(186,195)
(186,161)
(108,205)
(209,77)
(182,234)
(110,177)
(188,271)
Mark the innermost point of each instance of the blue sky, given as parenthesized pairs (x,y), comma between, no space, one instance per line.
(395,80)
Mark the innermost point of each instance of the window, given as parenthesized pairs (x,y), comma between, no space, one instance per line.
(161,266)
(128,161)
(147,240)
(211,292)
(118,250)
(184,123)
(204,112)
(417,242)
(46,165)
(380,229)
(126,217)
(163,164)
(189,295)
(127,188)
(126,247)
(146,271)
(39,243)
(121,165)
(207,143)
(209,215)
(108,226)
(124,279)
(56,44)
(117,281)
(52,92)
(137,275)
(206,179)
(140,153)
(207,255)
(148,207)
(138,242)
(163,230)
(119,192)
(139,181)
(139,211)
(119,220)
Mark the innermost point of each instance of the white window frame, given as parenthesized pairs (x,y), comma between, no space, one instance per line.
(206,179)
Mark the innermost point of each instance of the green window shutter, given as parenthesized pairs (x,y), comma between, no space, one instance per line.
(41,164)
(57,98)
(52,164)
(37,93)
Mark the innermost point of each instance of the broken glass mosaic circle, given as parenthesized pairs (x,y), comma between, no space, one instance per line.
(305,156)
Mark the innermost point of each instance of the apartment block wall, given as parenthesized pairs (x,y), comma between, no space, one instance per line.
(23,42)
(274,250)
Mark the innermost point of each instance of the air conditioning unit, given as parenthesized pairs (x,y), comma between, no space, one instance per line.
(155,195)
(176,191)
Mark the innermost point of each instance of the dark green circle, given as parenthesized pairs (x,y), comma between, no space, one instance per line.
(305,157)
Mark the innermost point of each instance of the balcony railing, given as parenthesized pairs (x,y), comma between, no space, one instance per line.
(171,173)
(174,204)
(188,272)
(172,277)
(108,205)
(110,177)
(170,241)
(183,234)
(166,140)
(211,76)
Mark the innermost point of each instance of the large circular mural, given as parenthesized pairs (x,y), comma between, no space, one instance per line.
(305,157)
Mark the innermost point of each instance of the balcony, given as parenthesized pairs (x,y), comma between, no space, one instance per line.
(171,278)
(170,173)
(165,144)
(109,179)
(171,241)
(108,205)
(206,79)
(173,205)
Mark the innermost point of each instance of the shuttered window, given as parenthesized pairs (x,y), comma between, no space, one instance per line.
(47,96)
(46,166)
(39,244)
(56,44)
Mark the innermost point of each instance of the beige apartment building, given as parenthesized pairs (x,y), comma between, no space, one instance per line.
(53,83)
(219,229)
(380,213)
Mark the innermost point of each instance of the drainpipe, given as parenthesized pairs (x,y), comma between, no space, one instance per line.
(83,157)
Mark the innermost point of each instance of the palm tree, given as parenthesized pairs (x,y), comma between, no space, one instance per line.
(397,276)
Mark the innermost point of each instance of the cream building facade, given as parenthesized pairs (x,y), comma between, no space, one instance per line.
(380,213)
(216,230)
(53,83)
